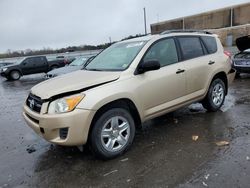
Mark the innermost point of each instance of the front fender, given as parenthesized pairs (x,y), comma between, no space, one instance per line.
(100,96)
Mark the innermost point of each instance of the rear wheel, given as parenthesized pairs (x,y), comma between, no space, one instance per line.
(215,96)
(15,75)
(54,67)
(112,134)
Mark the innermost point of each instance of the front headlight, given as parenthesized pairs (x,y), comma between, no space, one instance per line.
(4,69)
(65,104)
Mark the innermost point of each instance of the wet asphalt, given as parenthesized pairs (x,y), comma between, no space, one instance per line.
(175,150)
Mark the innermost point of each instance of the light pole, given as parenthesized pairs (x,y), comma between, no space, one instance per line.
(145,20)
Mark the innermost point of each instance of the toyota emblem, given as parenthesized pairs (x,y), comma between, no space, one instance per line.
(32,103)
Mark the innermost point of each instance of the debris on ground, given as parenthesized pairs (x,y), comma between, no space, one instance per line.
(31,149)
(110,173)
(204,184)
(123,160)
(175,120)
(222,143)
(247,158)
(128,180)
(206,176)
(195,137)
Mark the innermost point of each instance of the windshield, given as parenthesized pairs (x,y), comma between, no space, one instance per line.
(117,57)
(20,60)
(78,61)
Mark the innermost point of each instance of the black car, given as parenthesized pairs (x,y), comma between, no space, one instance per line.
(30,65)
(241,60)
(77,64)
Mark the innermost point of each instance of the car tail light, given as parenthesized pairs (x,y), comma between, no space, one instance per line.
(227,53)
(65,61)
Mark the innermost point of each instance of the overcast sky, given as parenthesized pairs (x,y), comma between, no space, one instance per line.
(35,24)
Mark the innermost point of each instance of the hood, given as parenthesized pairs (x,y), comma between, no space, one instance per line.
(243,43)
(10,65)
(64,70)
(72,82)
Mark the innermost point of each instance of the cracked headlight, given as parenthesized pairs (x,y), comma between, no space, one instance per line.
(65,104)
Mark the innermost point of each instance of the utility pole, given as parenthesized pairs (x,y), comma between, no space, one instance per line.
(145,20)
(110,40)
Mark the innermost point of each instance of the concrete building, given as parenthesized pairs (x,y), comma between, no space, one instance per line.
(229,23)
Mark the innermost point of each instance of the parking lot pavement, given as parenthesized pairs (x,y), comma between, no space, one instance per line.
(175,150)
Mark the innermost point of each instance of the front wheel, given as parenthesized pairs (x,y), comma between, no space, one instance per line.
(15,75)
(112,134)
(215,96)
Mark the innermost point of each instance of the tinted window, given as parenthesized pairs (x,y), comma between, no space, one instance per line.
(38,60)
(210,44)
(191,47)
(27,62)
(163,51)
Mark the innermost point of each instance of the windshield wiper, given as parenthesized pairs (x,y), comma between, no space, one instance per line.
(93,69)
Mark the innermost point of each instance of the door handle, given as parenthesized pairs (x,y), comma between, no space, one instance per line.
(180,71)
(211,62)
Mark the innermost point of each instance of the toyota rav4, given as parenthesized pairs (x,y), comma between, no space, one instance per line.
(128,83)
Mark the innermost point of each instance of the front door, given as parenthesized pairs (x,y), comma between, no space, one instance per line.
(160,89)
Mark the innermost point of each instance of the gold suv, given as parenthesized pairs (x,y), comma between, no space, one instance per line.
(128,83)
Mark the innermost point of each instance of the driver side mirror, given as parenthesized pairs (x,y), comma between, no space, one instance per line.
(148,66)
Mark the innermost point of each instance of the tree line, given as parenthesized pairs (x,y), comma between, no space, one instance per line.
(44,51)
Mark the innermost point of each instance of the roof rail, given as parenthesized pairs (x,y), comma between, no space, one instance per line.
(185,31)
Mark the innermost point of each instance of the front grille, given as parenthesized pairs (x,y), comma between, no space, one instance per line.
(242,63)
(34,103)
(63,133)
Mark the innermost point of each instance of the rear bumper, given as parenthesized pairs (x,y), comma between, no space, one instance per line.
(74,125)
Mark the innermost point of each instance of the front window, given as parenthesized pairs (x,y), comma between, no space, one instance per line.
(117,57)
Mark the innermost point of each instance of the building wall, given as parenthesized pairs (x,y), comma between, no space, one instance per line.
(225,34)
(218,19)
(221,22)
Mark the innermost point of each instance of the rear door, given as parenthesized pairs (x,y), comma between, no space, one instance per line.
(197,62)
(40,64)
(158,90)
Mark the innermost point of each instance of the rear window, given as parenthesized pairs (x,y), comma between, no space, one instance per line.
(190,47)
(210,44)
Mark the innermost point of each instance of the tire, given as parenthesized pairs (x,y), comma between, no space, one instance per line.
(53,67)
(15,75)
(215,96)
(107,140)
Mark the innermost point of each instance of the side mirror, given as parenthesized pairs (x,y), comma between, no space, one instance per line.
(148,66)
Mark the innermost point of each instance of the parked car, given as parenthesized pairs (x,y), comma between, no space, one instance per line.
(126,84)
(241,61)
(67,60)
(30,65)
(77,64)
(5,64)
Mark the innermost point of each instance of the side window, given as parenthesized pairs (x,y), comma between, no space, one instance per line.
(190,47)
(210,44)
(164,51)
(27,62)
(38,61)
